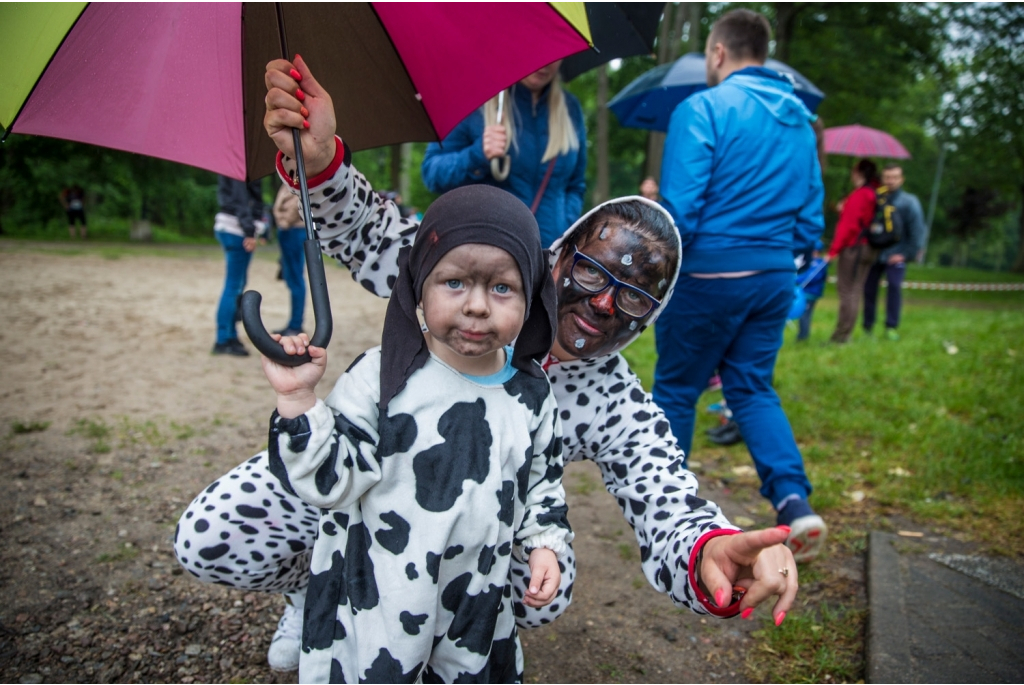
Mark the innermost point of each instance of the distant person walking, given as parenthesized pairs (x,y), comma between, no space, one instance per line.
(73,200)
(649,189)
(892,261)
(543,139)
(854,257)
(241,208)
(742,179)
(291,236)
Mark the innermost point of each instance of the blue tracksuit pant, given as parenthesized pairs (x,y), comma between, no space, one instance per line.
(734,325)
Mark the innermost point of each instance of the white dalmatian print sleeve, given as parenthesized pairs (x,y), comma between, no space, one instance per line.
(609,418)
(358,227)
(545,522)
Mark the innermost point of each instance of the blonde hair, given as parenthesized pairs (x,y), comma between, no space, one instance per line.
(562,135)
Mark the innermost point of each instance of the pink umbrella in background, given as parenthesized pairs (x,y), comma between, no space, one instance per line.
(861,141)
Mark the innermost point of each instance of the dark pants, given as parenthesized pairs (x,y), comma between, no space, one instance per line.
(854,263)
(734,325)
(293,262)
(894,274)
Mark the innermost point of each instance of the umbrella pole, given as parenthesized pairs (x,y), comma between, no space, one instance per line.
(322,316)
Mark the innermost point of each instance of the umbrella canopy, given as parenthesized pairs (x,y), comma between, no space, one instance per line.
(861,141)
(619,29)
(121,75)
(648,102)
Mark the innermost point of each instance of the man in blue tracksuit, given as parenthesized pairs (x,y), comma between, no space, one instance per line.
(742,179)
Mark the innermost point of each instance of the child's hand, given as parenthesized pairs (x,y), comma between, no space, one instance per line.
(295,385)
(544,578)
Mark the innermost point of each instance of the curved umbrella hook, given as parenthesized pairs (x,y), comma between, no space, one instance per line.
(324,321)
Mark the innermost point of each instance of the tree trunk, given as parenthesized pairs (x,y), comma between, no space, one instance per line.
(1018,263)
(785,18)
(656,139)
(601,186)
(693,41)
(676,37)
(405,176)
(396,167)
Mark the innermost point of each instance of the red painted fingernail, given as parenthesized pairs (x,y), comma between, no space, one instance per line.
(305,124)
(305,112)
(780,618)
(785,528)
(295,75)
(747,612)
(720,597)
(300,95)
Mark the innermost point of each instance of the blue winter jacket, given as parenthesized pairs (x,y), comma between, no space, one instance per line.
(459,160)
(741,177)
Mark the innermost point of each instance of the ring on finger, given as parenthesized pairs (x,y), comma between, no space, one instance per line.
(784,572)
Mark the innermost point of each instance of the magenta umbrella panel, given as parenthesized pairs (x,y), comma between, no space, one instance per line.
(861,141)
(185,81)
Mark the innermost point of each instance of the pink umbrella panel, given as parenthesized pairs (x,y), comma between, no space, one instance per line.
(184,81)
(861,141)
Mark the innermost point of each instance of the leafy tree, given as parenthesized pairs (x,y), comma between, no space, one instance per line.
(984,116)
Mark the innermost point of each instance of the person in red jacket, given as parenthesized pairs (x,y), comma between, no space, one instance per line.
(850,245)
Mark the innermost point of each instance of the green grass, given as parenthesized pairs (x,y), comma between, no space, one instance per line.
(925,433)
(125,552)
(21,428)
(104,229)
(809,647)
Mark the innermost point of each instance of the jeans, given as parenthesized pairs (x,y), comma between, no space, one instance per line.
(734,325)
(293,264)
(234,283)
(805,320)
(894,274)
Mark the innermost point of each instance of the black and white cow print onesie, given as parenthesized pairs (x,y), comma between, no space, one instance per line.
(421,511)
(606,415)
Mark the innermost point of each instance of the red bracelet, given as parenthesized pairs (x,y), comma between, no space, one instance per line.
(323,176)
(695,558)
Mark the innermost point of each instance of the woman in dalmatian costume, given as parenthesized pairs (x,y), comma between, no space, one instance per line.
(246,531)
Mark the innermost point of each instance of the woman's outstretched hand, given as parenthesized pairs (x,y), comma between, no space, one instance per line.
(296,101)
(757,561)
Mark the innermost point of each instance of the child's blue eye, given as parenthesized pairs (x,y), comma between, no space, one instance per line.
(454,283)
(501,289)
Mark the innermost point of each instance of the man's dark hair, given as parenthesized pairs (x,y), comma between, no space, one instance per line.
(744,33)
(868,169)
(892,165)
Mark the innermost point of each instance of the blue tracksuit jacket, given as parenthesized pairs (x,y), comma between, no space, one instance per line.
(741,176)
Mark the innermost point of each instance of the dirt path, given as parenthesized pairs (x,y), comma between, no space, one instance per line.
(113,415)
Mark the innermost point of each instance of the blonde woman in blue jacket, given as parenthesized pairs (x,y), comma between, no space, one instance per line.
(536,150)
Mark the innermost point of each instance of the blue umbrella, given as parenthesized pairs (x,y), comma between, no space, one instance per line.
(648,102)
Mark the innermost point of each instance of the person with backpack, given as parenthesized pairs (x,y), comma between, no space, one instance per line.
(897,232)
(850,246)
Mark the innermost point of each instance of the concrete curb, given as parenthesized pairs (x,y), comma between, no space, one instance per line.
(888,650)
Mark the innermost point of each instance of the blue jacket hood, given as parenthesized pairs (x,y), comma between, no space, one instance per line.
(774,92)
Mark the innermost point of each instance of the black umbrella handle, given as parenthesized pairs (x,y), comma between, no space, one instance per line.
(321,311)
(324,321)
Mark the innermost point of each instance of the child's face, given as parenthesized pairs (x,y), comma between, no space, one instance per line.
(473,305)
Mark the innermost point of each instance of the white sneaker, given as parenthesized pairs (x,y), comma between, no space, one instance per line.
(807,537)
(283,654)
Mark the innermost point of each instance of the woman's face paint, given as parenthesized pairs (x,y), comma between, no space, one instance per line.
(593,318)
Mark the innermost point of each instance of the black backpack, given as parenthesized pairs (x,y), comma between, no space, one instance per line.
(886,229)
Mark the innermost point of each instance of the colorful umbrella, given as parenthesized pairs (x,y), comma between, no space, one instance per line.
(861,141)
(620,29)
(648,102)
(133,76)
(122,75)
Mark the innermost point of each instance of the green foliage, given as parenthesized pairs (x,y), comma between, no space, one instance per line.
(809,648)
(120,187)
(20,428)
